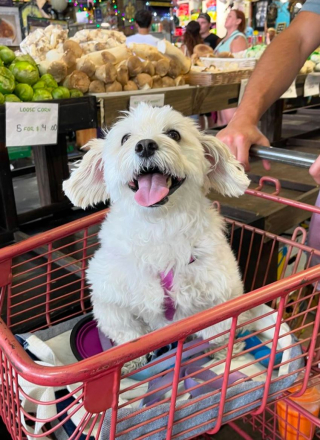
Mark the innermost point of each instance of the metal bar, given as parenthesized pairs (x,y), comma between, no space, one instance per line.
(65,262)
(296,158)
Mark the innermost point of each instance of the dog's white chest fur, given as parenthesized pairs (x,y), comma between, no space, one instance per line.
(127,269)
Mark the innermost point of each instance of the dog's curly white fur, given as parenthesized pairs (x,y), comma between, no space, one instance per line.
(138,243)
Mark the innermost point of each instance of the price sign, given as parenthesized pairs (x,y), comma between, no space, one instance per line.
(311,85)
(31,124)
(281,27)
(291,92)
(243,86)
(156,100)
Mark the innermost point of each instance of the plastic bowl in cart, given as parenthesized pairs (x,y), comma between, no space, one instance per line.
(87,340)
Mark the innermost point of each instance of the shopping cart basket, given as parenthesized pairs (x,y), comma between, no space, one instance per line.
(202,386)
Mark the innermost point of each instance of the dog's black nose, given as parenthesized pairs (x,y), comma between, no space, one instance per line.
(146,148)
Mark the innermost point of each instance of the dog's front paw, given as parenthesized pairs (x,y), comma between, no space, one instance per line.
(134,365)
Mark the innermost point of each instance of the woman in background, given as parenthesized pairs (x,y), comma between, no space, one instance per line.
(191,38)
(235,40)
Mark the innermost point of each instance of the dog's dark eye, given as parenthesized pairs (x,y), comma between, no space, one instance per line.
(125,138)
(174,134)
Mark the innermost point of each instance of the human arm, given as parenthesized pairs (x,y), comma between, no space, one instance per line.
(238,45)
(274,73)
(315,170)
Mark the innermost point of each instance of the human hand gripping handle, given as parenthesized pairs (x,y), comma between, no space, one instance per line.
(239,135)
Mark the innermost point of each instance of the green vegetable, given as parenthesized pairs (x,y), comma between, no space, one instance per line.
(39,85)
(7,55)
(1,62)
(6,81)
(26,58)
(49,81)
(61,93)
(11,98)
(25,72)
(74,93)
(24,92)
(1,98)
(41,95)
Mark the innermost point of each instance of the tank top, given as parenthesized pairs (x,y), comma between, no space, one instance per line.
(225,45)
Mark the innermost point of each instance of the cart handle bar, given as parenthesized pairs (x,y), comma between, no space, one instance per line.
(286,156)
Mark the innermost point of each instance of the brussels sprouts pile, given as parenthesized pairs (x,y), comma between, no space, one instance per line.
(20,80)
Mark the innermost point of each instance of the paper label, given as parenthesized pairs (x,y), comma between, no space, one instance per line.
(311,85)
(243,86)
(291,92)
(154,100)
(31,124)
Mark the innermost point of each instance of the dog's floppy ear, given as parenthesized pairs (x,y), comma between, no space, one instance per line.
(86,185)
(226,174)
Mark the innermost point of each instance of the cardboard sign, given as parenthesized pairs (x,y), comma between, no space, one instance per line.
(291,92)
(243,86)
(281,27)
(156,100)
(31,124)
(311,85)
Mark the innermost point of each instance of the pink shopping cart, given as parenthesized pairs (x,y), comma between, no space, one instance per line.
(192,388)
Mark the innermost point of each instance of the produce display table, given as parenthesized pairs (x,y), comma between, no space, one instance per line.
(102,110)
(193,100)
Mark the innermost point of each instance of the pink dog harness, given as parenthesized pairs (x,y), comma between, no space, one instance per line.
(166,282)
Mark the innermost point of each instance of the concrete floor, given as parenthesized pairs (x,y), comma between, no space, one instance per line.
(26,193)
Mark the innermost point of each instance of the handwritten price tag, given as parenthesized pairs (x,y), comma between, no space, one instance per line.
(31,124)
(291,92)
(311,85)
(154,100)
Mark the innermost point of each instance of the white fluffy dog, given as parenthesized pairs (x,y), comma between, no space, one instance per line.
(164,255)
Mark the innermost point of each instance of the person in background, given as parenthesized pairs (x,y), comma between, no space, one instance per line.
(191,38)
(270,79)
(209,39)
(235,39)
(143,20)
(271,33)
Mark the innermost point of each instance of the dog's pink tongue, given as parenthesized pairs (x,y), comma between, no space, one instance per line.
(152,189)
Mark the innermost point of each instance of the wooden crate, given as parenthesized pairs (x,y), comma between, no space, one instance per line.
(217,78)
